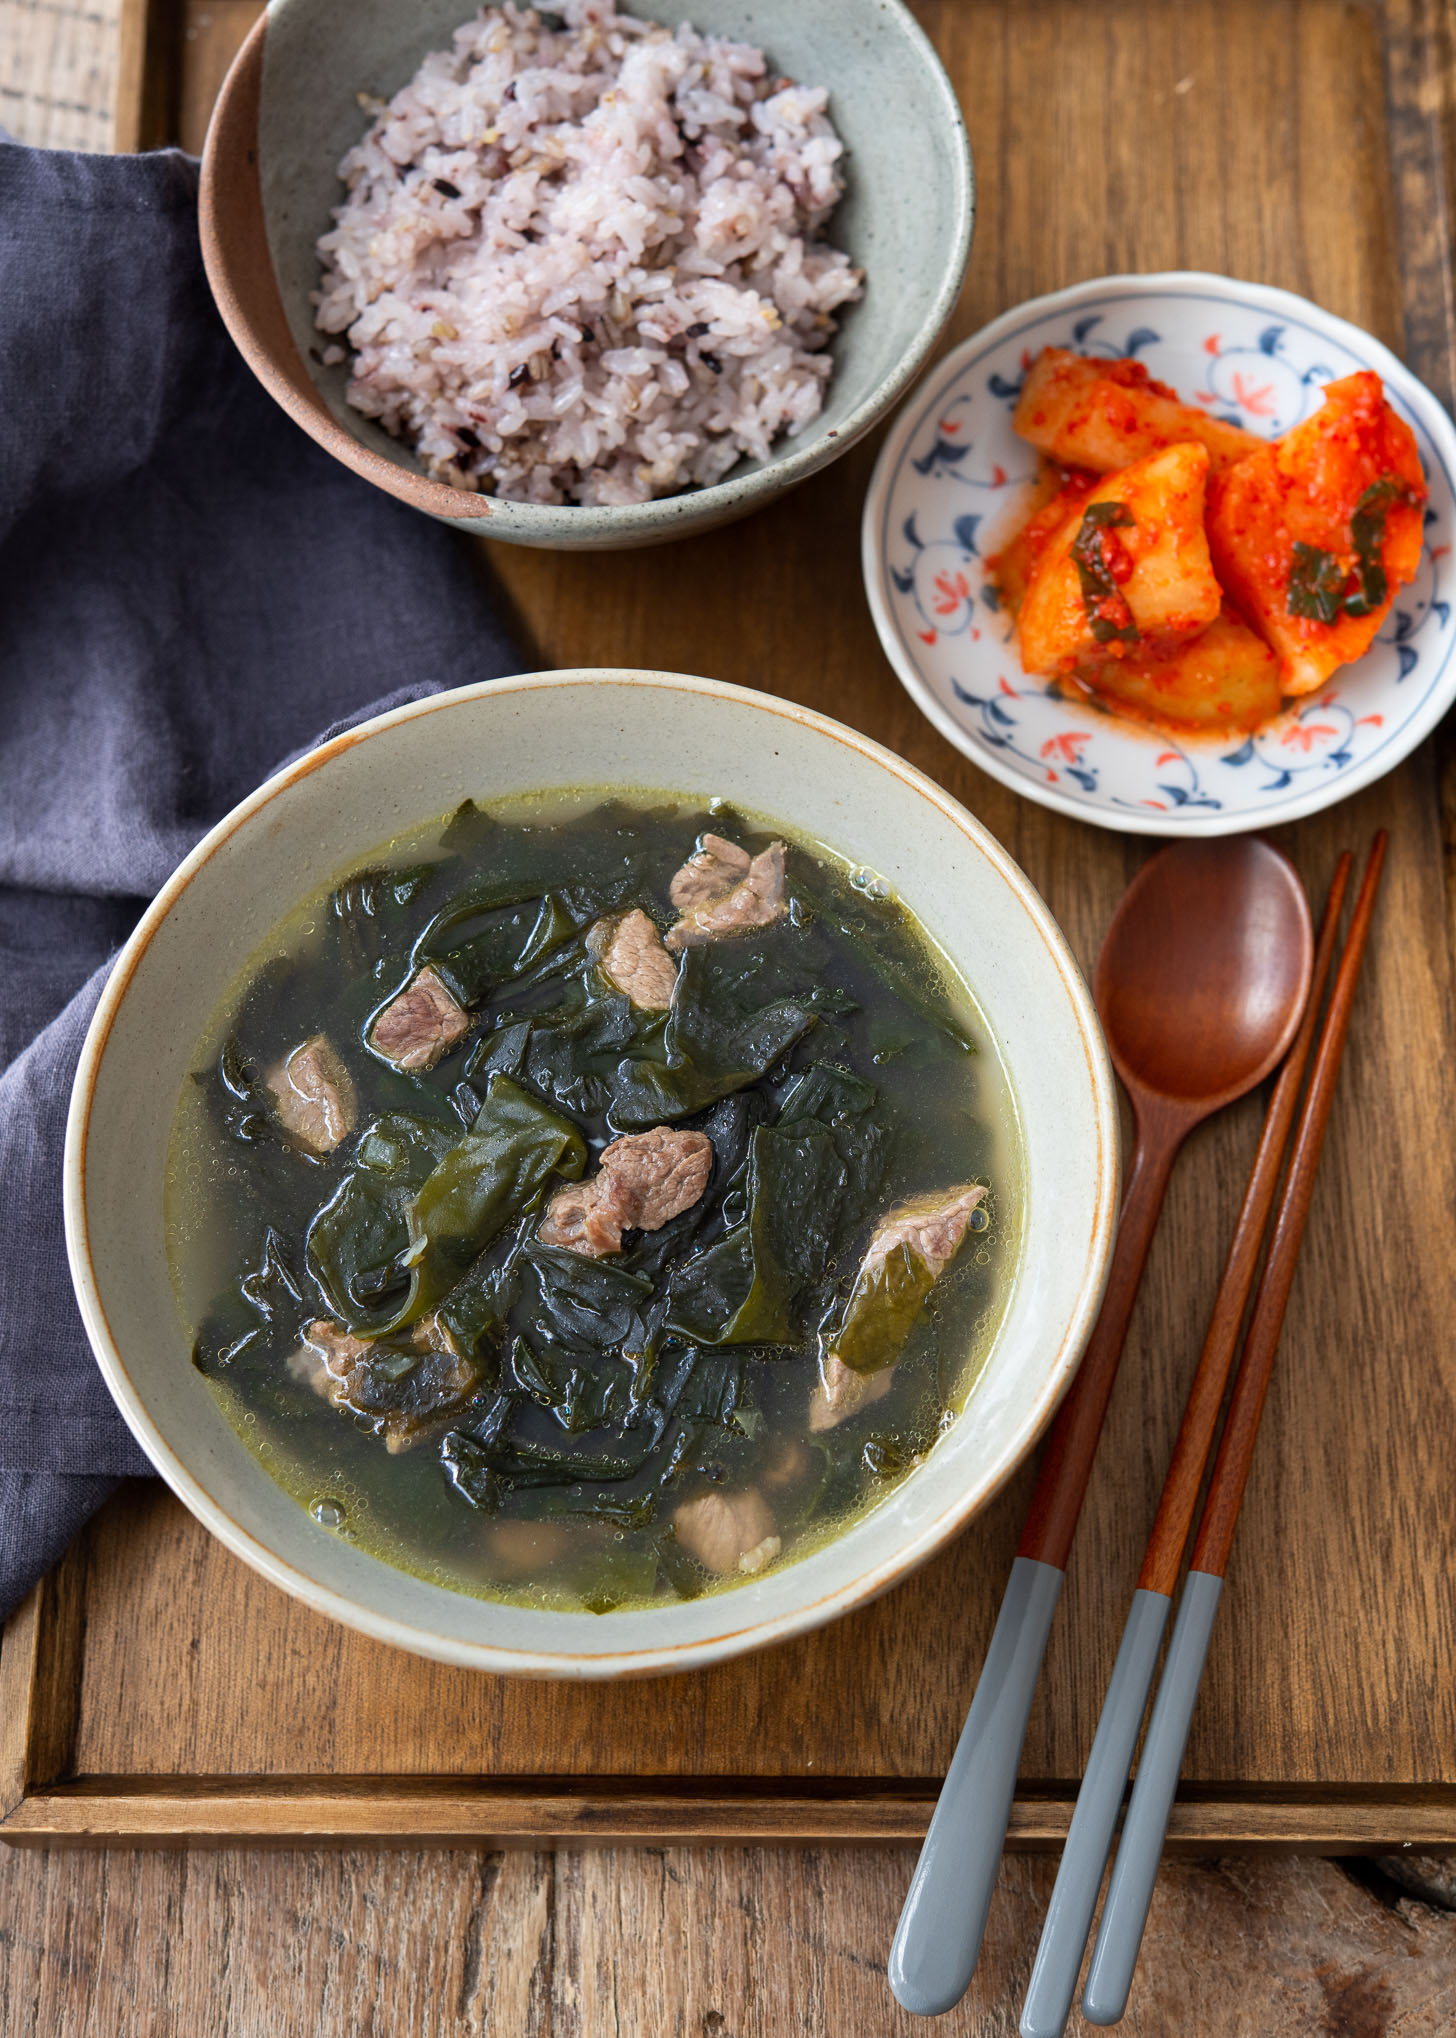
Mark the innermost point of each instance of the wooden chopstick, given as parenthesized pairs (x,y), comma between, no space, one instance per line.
(1099,1800)
(1168,1538)
(1241,1428)
(1129,1892)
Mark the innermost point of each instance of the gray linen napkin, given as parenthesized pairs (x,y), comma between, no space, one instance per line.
(190,591)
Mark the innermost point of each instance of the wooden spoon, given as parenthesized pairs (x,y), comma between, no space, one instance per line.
(1130,1887)
(1200,984)
(1099,1801)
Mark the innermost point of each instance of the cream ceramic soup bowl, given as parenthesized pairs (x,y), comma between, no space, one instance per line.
(552,731)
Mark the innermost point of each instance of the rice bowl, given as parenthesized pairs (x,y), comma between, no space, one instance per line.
(290,111)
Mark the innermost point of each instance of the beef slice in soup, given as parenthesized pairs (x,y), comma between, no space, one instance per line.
(911,1247)
(313,1095)
(721,891)
(628,952)
(728,1533)
(418,1025)
(645,1179)
(519,1549)
(710,873)
(841,1392)
(405,1393)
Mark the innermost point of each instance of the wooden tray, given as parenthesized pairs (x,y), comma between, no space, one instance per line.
(154,1687)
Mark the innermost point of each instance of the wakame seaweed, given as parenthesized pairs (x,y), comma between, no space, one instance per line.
(511,1414)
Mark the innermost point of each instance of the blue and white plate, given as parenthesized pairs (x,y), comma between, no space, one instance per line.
(949,480)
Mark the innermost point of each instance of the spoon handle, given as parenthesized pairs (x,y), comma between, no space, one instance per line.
(1066,1466)
(940,1929)
(939,1935)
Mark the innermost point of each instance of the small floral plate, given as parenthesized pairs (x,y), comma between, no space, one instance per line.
(948,483)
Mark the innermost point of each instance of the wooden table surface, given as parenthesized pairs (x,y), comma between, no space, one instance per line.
(124,1944)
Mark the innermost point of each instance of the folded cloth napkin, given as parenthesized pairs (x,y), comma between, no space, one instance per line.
(190,591)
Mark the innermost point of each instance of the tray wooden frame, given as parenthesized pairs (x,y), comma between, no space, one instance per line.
(170,61)
(41,1805)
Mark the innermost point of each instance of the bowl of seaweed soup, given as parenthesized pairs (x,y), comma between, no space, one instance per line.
(595,1201)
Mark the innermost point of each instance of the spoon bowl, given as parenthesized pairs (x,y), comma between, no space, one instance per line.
(1202,976)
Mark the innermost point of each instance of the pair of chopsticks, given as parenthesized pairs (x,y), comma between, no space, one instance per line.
(1130,1889)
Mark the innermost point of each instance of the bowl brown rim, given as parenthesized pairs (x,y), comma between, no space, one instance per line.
(239,267)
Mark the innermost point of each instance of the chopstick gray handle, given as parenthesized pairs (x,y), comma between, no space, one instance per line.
(940,1929)
(1130,1890)
(1069,1915)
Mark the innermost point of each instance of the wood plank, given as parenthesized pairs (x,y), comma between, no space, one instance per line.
(149,74)
(173,57)
(139,1943)
(1420,62)
(1250,1949)
(428,1944)
(128,120)
(228,1811)
(213,31)
(40,1683)
(18,1652)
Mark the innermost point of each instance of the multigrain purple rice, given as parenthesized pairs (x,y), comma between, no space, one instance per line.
(584,263)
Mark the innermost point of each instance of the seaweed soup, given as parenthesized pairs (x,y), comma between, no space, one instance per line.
(594,1201)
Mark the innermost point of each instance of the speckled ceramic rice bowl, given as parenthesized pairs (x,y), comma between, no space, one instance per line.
(637,280)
